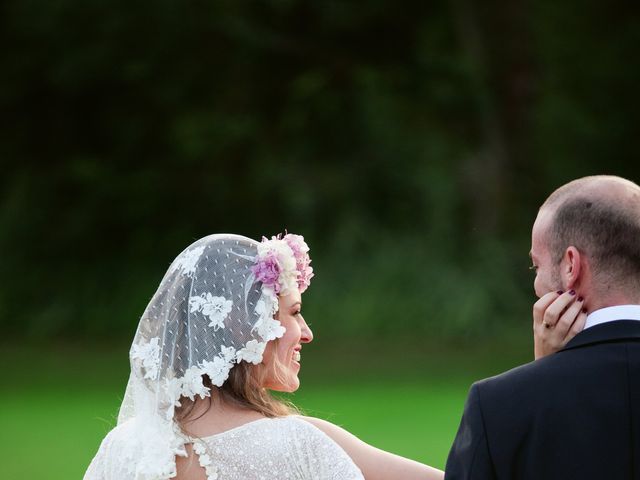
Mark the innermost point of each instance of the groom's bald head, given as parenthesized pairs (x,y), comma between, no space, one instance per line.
(600,216)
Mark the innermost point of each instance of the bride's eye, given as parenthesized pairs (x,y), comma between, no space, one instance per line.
(533,268)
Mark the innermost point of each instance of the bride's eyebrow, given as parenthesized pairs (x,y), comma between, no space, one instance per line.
(296,304)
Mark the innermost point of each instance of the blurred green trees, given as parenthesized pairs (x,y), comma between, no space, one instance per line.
(410,142)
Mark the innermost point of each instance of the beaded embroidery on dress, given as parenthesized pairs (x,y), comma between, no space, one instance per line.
(284,448)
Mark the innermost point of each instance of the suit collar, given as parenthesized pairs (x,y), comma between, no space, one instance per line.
(609,314)
(606,332)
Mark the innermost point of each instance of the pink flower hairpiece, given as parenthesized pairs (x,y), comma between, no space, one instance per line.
(283,264)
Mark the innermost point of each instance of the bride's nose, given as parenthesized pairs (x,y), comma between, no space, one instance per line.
(306,335)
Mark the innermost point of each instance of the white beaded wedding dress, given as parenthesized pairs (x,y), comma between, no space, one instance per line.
(270,448)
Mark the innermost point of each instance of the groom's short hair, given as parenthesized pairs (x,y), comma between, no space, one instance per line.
(589,214)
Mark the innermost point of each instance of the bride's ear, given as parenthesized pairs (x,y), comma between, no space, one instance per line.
(571,267)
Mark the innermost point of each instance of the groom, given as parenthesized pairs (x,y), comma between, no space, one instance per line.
(574,414)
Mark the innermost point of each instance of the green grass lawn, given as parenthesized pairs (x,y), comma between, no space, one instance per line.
(54,415)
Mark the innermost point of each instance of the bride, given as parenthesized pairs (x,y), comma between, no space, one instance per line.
(223,329)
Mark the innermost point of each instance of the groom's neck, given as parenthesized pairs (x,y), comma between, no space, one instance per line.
(613,299)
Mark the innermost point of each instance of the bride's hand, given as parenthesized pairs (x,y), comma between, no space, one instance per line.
(557,318)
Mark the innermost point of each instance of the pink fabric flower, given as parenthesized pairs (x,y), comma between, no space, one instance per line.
(267,270)
(304,278)
(300,252)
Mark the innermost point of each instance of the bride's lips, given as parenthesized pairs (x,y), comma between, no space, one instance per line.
(296,355)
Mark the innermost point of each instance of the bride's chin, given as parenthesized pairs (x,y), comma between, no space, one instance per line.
(291,386)
(295,386)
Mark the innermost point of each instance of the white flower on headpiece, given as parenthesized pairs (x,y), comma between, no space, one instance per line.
(281,249)
(228,354)
(252,352)
(216,308)
(187,261)
(192,383)
(266,326)
(149,354)
(218,370)
(267,306)
(269,329)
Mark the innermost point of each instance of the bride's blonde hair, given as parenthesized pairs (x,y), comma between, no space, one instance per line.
(244,388)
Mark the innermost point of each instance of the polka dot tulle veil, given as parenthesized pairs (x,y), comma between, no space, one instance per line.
(208,314)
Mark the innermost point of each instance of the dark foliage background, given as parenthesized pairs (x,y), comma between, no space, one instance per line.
(410,142)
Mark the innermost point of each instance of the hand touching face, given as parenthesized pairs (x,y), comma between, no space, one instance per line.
(557,318)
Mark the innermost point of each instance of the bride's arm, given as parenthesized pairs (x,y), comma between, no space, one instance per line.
(374,463)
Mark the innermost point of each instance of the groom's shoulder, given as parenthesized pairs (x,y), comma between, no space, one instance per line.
(530,376)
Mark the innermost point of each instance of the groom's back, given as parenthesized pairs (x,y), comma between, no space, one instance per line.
(575,414)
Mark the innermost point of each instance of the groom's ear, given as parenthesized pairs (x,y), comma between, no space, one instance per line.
(571,267)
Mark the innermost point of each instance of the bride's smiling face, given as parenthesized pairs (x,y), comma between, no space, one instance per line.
(286,350)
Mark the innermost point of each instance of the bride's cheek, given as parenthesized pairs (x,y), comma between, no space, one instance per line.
(267,356)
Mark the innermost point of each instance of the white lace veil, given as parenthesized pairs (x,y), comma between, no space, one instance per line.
(209,312)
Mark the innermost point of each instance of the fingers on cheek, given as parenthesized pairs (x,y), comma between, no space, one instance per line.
(550,317)
(564,312)
(579,324)
(573,313)
(538,310)
(576,328)
(540,307)
(567,322)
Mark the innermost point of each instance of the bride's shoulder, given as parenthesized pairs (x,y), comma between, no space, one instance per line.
(118,432)
(110,448)
(316,422)
(107,440)
(330,441)
(117,440)
(328,428)
(293,425)
(336,433)
(310,431)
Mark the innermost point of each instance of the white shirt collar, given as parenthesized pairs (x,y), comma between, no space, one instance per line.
(609,314)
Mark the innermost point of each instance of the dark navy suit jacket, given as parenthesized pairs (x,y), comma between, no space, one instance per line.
(571,415)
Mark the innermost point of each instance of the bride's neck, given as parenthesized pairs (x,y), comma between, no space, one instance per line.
(215,415)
